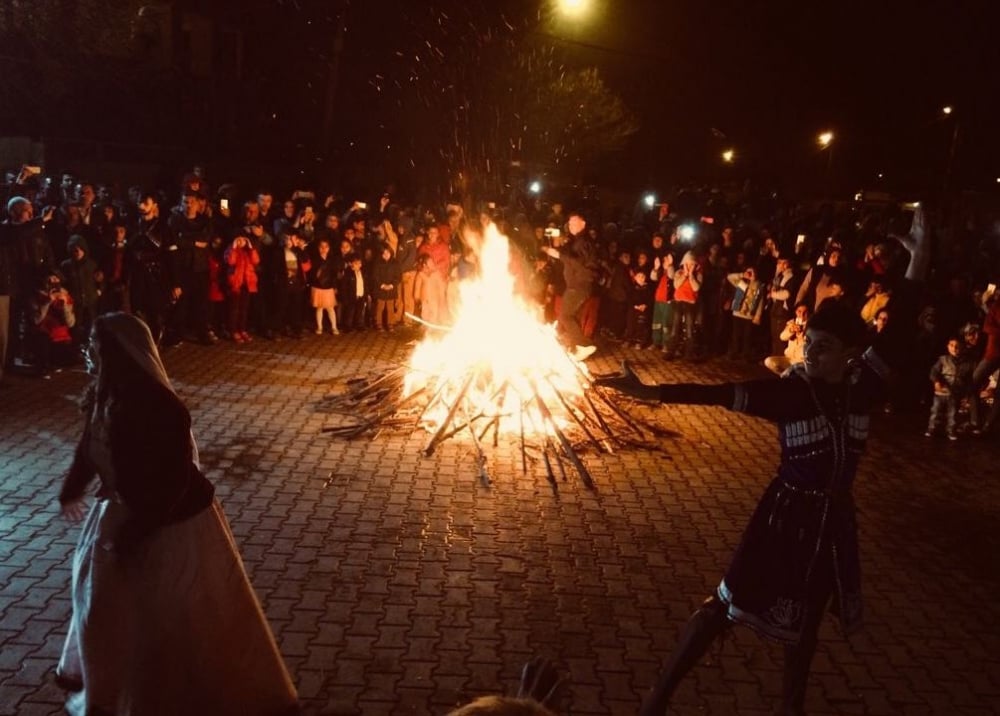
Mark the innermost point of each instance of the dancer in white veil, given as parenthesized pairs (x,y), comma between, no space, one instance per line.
(164,618)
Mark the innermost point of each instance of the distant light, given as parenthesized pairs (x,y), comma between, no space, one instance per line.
(998,180)
(535,187)
(825,139)
(728,156)
(947,109)
(650,200)
(686,232)
(575,8)
(880,175)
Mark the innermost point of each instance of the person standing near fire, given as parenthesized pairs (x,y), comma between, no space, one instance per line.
(579,260)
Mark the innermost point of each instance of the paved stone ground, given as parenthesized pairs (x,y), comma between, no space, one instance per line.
(397,584)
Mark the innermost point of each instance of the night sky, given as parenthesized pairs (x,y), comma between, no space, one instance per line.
(763,78)
(767,75)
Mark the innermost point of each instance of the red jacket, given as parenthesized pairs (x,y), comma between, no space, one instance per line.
(242,269)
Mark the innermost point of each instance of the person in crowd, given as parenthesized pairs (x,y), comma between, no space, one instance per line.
(747,309)
(880,323)
(640,309)
(158,587)
(779,297)
(385,284)
(409,246)
(53,320)
(242,260)
(687,287)
(794,336)
(267,302)
(579,262)
(986,367)
(188,253)
(268,211)
(323,277)
(218,277)
(434,277)
(297,266)
(287,218)
(148,281)
(115,267)
(948,376)
(352,293)
(614,302)
(823,279)
(716,298)
(876,298)
(83,280)
(30,260)
(800,549)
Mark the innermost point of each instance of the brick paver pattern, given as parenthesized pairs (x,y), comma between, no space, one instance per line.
(398,584)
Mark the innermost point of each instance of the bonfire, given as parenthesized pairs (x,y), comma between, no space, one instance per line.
(497,372)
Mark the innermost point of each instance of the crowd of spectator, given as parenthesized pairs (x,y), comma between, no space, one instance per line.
(698,279)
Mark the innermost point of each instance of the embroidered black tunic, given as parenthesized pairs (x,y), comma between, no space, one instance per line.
(805,521)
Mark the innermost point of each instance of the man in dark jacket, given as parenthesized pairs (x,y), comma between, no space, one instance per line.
(149,282)
(25,258)
(188,253)
(579,263)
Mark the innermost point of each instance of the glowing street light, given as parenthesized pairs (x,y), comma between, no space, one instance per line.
(535,187)
(574,8)
(728,156)
(947,109)
(825,139)
(650,200)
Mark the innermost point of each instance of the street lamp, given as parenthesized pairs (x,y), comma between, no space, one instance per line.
(574,8)
(728,156)
(947,109)
(825,139)
(650,200)
(535,187)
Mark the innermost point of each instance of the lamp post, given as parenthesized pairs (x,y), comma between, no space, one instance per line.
(949,112)
(825,141)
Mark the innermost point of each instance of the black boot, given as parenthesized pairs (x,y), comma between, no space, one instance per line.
(700,631)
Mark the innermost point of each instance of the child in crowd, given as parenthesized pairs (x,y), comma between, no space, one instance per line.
(53,320)
(794,334)
(352,294)
(323,280)
(949,378)
(640,311)
(385,278)
(242,260)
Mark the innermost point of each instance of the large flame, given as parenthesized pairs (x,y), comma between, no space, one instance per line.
(497,359)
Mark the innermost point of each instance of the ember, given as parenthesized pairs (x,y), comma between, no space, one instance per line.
(498,370)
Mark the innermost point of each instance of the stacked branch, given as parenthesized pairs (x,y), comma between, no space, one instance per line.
(552,423)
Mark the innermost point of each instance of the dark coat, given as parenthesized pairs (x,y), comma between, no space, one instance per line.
(385,272)
(153,459)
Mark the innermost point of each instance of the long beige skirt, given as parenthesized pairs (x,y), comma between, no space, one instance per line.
(173,629)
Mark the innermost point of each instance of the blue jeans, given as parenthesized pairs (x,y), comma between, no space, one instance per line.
(944,406)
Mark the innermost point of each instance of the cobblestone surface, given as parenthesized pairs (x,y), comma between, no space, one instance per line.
(398,584)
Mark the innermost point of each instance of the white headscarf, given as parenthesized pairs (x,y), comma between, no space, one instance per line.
(134,336)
